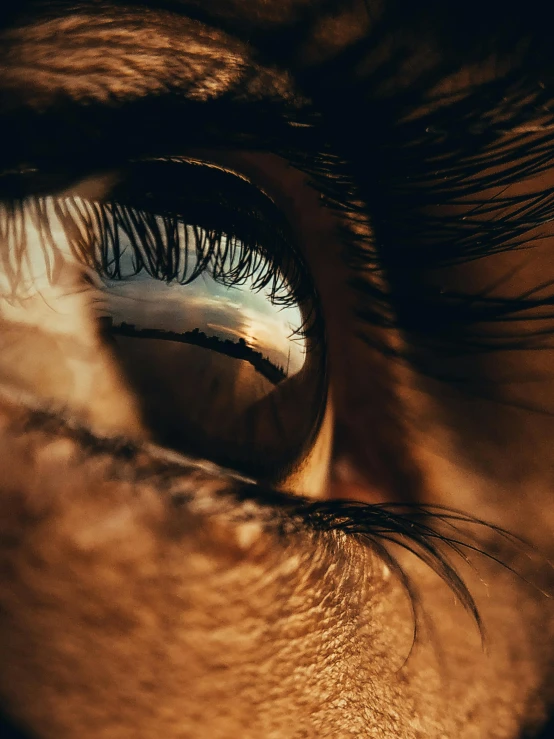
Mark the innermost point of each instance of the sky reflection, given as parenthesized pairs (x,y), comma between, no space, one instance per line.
(226,312)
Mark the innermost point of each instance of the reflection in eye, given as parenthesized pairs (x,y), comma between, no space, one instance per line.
(216,333)
(221,370)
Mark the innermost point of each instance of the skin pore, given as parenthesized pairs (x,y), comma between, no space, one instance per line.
(145,594)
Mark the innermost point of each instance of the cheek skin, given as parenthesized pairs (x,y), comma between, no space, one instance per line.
(112,592)
(124,614)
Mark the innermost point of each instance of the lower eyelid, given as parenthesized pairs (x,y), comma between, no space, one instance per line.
(69,488)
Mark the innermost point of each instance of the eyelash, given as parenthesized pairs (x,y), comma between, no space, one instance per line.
(427,162)
(430,533)
(163,246)
(413,150)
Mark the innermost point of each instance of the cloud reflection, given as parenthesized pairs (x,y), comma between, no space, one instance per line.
(226,312)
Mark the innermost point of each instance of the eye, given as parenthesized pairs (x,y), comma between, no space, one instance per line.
(199,295)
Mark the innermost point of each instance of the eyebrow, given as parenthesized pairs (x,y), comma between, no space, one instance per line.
(102,81)
(103,53)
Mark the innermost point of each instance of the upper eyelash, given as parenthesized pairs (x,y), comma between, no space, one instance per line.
(309,149)
(430,161)
(162,249)
(162,246)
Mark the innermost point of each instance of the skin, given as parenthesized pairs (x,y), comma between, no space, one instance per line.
(141,595)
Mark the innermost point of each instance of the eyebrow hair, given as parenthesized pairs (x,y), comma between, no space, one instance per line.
(105,53)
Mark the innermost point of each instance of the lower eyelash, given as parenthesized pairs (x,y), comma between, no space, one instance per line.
(430,533)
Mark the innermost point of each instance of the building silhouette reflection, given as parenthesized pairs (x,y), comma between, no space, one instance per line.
(237,349)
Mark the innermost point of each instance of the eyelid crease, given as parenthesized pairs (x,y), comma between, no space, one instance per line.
(208,165)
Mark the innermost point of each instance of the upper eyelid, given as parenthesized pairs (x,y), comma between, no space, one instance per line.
(336,186)
(73,135)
